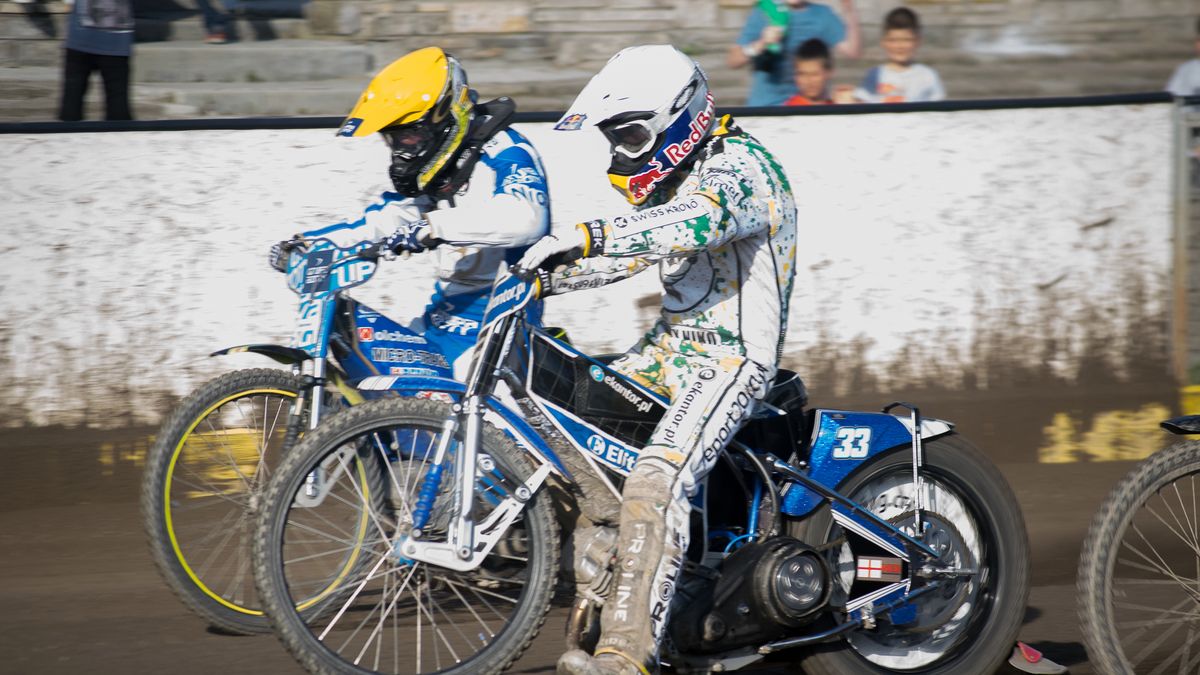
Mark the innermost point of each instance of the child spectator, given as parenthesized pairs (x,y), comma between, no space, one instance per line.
(813,75)
(1186,80)
(900,79)
(769,41)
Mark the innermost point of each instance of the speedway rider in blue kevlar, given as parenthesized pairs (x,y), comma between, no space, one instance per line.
(715,213)
(440,139)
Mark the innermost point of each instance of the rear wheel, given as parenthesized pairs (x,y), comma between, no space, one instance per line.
(327,563)
(967,626)
(208,464)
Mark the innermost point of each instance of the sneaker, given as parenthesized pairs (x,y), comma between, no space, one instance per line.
(1029,660)
(216,38)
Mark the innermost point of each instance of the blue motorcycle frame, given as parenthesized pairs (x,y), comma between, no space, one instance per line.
(364,342)
(529,359)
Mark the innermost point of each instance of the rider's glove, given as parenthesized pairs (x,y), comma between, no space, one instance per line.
(410,237)
(278,257)
(568,245)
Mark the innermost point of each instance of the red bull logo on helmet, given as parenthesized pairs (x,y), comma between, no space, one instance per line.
(677,152)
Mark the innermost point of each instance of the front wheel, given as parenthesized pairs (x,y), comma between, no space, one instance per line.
(1138,587)
(200,488)
(326,550)
(968,626)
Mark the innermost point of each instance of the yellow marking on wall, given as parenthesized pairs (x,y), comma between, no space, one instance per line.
(1115,435)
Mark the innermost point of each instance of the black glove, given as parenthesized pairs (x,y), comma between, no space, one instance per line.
(278,257)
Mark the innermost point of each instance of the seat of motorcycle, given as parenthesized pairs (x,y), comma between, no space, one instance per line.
(787,392)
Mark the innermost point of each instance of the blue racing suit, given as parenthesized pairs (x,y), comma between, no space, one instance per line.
(478,235)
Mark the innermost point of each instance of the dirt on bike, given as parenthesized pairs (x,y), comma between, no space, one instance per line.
(417,536)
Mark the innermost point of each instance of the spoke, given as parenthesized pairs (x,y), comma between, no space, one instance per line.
(1136,635)
(1161,565)
(210,490)
(366,504)
(1167,525)
(379,626)
(213,555)
(353,597)
(1186,525)
(480,590)
(471,609)
(1149,648)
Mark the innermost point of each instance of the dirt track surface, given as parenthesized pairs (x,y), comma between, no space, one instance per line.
(80,593)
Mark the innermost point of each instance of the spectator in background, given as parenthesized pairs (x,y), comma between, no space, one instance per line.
(217,20)
(771,37)
(99,37)
(901,79)
(1186,79)
(814,77)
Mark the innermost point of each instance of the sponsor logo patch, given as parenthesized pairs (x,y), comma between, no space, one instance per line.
(597,373)
(571,122)
(873,568)
(366,334)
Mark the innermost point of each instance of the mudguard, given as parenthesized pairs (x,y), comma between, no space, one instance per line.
(502,416)
(845,440)
(285,355)
(1182,426)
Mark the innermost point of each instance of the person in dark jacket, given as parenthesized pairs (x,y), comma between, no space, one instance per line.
(99,37)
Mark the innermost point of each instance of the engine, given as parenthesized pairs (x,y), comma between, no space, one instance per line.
(764,590)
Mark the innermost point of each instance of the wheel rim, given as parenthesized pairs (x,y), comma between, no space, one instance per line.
(216,474)
(944,617)
(1154,598)
(387,613)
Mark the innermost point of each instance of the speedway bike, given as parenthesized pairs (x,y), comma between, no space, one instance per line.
(411,535)
(1138,584)
(212,455)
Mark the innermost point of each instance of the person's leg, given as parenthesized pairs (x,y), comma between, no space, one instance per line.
(77,69)
(115,72)
(711,398)
(216,21)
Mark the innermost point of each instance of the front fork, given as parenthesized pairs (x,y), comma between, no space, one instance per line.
(467,543)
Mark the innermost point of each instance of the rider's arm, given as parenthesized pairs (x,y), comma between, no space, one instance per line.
(378,221)
(717,210)
(592,273)
(518,213)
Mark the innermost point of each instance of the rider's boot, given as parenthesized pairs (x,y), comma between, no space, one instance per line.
(650,550)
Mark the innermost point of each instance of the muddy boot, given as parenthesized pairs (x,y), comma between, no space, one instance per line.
(650,550)
(577,662)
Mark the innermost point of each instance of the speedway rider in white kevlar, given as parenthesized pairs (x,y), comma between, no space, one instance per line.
(440,139)
(715,213)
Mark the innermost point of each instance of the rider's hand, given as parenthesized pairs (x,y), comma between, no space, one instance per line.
(278,257)
(410,237)
(570,244)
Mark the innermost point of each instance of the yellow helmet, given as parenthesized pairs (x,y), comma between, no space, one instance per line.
(422,106)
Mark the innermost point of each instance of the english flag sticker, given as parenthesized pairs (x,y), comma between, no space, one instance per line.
(880,569)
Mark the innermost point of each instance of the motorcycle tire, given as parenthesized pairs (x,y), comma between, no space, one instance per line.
(1136,589)
(201,484)
(414,617)
(978,506)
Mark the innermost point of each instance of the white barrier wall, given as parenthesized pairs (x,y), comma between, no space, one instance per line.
(951,246)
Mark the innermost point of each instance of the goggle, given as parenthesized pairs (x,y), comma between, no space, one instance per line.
(632,138)
(410,140)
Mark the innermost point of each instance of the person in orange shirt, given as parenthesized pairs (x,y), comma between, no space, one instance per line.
(813,75)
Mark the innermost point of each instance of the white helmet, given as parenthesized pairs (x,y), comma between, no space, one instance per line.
(653,105)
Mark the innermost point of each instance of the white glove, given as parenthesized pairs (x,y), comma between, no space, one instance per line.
(571,243)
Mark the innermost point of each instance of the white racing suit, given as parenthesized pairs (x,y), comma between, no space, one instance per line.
(725,243)
(481,230)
